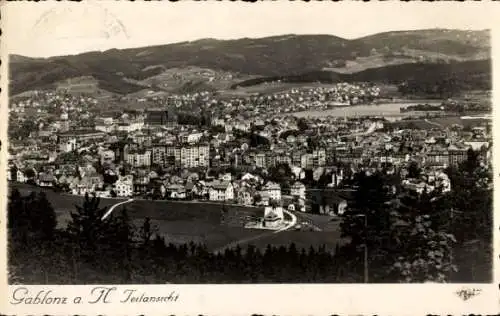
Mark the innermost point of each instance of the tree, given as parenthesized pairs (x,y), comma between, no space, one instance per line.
(423,245)
(403,242)
(368,206)
(118,235)
(18,219)
(282,174)
(413,170)
(30,173)
(109,178)
(32,231)
(471,199)
(147,231)
(86,225)
(257,140)
(302,124)
(43,217)
(257,198)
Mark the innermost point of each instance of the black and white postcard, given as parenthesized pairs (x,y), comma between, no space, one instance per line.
(225,158)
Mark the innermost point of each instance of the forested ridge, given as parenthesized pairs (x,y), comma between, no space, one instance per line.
(293,57)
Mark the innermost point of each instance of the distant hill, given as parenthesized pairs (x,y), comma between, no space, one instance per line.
(439,80)
(125,71)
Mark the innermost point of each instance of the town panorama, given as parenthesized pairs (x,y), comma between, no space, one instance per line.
(289,159)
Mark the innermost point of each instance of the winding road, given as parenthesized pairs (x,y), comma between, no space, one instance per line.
(433,123)
(112,208)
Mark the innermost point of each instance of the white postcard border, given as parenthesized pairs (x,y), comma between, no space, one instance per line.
(313,299)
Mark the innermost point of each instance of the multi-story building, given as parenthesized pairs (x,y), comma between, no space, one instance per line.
(139,158)
(190,156)
(217,121)
(81,135)
(437,157)
(306,161)
(260,160)
(161,117)
(456,156)
(283,159)
(270,159)
(159,155)
(297,158)
(319,157)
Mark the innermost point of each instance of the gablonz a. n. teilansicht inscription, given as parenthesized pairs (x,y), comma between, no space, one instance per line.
(97,295)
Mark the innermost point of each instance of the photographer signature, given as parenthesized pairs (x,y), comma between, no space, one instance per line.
(467,293)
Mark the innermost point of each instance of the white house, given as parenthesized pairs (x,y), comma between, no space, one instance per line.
(20,177)
(221,191)
(225,177)
(273,216)
(299,190)
(124,186)
(273,190)
(176,191)
(68,145)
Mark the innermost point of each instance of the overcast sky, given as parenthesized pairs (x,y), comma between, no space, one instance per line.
(49,28)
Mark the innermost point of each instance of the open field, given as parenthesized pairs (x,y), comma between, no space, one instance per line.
(414,124)
(438,122)
(63,204)
(183,222)
(451,120)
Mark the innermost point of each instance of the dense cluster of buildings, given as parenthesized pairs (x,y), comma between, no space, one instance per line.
(74,145)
